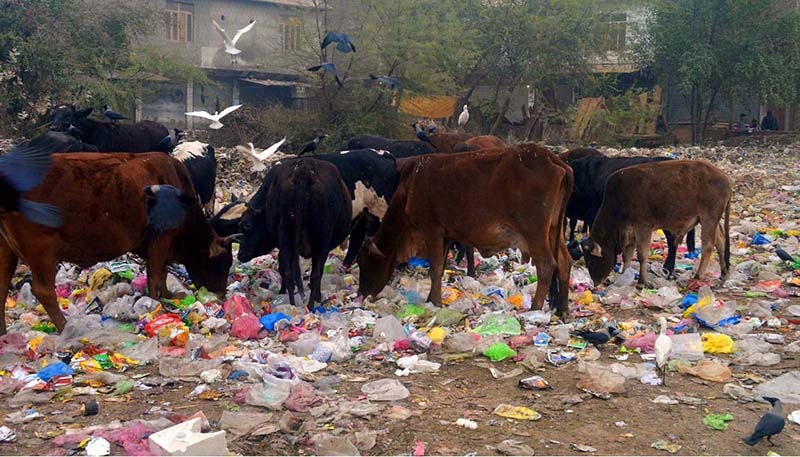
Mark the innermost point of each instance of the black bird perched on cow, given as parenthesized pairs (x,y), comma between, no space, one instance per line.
(599,337)
(769,425)
(112,116)
(22,169)
(330,68)
(168,143)
(343,42)
(311,146)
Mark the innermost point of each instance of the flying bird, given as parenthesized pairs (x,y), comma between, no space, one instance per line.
(216,117)
(785,256)
(389,82)
(311,146)
(257,157)
(330,68)
(463,118)
(22,169)
(600,337)
(168,143)
(166,207)
(421,133)
(663,348)
(230,44)
(344,44)
(769,425)
(111,115)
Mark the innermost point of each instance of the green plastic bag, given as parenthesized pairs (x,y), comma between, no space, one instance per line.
(718,421)
(205,297)
(124,387)
(498,352)
(447,316)
(187,301)
(499,324)
(411,310)
(125,274)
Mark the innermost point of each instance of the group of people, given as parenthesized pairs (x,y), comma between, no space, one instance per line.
(769,122)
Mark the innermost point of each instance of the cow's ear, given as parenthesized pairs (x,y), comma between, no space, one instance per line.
(596,251)
(84,112)
(187,200)
(151,191)
(374,251)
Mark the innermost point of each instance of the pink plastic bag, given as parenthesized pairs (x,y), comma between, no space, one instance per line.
(139,283)
(246,327)
(646,343)
(133,439)
(63,290)
(13,343)
(301,397)
(236,306)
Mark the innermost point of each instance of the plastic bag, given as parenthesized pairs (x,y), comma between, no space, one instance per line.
(718,421)
(688,346)
(710,312)
(499,324)
(272,320)
(462,342)
(717,343)
(416,365)
(516,412)
(498,352)
(599,379)
(271,393)
(385,390)
(304,345)
(301,397)
(785,387)
(121,308)
(706,369)
(628,278)
(388,330)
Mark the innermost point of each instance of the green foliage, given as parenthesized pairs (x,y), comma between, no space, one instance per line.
(78,51)
(710,49)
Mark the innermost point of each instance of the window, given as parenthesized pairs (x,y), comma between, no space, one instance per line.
(290,34)
(180,22)
(615,33)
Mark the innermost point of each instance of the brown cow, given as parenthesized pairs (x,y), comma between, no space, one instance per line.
(579,153)
(672,195)
(477,143)
(491,199)
(446,142)
(103,203)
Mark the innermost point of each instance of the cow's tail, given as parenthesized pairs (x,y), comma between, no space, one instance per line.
(728,235)
(558,241)
(301,194)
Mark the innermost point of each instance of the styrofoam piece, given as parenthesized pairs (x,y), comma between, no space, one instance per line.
(187,439)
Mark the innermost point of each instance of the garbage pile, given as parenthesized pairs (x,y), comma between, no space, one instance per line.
(258,370)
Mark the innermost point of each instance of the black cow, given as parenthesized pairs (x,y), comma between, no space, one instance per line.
(228,220)
(591,174)
(142,136)
(398,148)
(304,209)
(199,159)
(60,142)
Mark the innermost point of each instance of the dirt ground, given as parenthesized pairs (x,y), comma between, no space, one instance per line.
(463,388)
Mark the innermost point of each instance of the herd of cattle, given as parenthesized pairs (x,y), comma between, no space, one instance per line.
(118,188)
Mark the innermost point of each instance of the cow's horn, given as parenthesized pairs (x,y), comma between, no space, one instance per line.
(375,251)
(235,238)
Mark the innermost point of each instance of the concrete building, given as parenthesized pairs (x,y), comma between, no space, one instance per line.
(265,72)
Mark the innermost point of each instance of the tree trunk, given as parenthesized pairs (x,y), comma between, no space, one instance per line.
(499,119)
(731,111)
(709,108)
(692,105)
(533,119)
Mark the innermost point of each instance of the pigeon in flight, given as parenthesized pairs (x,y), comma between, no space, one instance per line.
(343,42)
(330,68)
(216,117)
(389,82)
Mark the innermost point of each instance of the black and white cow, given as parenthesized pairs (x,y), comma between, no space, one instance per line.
(199,159)
(398,148)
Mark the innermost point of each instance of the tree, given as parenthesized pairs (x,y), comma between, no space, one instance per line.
(78,51)
(709,49)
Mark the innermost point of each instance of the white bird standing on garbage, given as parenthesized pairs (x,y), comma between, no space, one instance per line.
(257,157)
(463,118)
(216,117)
(663,348)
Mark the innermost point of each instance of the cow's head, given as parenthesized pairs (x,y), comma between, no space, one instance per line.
(375,269)
(600,261)
(67,119)
(209,266)
(256,237)
(229,219)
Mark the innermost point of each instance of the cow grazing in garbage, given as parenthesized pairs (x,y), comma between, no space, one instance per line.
(498,198)
(106,213)
(674,195)
(142,136)
(591,175)
(370,177)
(579,153)
(199,159)
(303,209)
(228,220)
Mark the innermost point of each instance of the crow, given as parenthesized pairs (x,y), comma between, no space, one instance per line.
(599,338)
(785,256)
(311,146)
(769,425)
(111,115)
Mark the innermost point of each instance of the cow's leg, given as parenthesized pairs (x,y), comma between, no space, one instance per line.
(317,268)
(157,260)
(643,248)
(357,236)
(573,224)
(627,255)
(723,266)
(470,253)
(707,242)
(8,264)
(43,268)
(689,240)
(564,262)
(672,251)
(436,259)
(545,267)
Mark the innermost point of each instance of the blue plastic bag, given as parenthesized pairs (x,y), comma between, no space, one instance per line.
(55,369)
(689,300)
(759,239)
(417,262)
(268,321)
